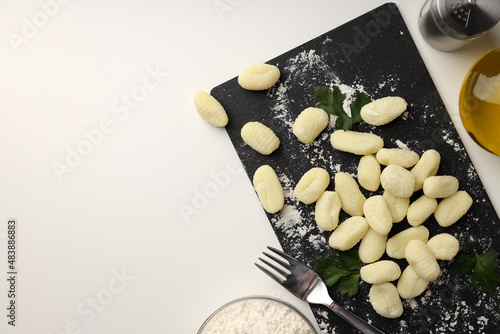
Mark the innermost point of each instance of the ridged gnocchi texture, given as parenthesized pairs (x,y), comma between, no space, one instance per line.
(377,214)
(420,257)
(269,189)
(396,244)
(312,185)
(384,298)
(369,172)
(372,246)
(348,233)
(380,271)
(427,165)
(443,246)
(350,195)
(210,109)
(259,77)
(440,186)
(452,208)
(309,124)
(410,284)
(397,180)
(384,110)
(327,211)
(420,210)
(397,156)
(359,143)
(260,137)
(398,206)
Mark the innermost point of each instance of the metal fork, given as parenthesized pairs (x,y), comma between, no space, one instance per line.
(307,285)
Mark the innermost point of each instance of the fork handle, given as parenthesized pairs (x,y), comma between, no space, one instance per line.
(354,320)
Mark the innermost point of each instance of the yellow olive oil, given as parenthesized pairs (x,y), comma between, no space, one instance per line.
(479,101)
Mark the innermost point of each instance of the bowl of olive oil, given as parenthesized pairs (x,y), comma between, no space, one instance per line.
(479,101)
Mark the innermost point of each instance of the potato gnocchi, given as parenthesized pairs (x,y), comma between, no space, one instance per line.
(269,189)
(452,208)
(384,298)
(327,211)
(384,110)
(350,195)
(398,206)
(410,284)
(378,215)
(396,245)
(348,233)
(420,257)
(372,246)
(380,271)
(427,165)
(420,210)
(440,186)
(312,185)
(443,246)
(369,172)
(210,109)
(309,124)
(397,156)
(397,180)
(359,143)
(259,137)
(259,77)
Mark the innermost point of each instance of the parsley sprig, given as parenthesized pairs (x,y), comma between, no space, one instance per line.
(483,268)
(332,101)
(340,271)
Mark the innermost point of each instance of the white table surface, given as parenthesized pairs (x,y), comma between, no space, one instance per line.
(103,246)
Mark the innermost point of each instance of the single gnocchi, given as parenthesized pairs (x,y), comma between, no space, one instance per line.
(210,110)
(443,246)
(312,185)
(269,189)
(427,165)
(380,271)
(440,186)
(398,206)
(259,137)
(350,195)
(396,244)
(420,210)
(397,180)
(259,77)
(309,124)
(397,156)
(327,211)
(452,208)
(384,110)
(369,172)
(359,143)
(377,214)
(420,257)
(410,284)
(372,246)
(348,233)
(384,298)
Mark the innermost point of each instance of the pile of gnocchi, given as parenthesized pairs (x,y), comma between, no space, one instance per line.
(399,172)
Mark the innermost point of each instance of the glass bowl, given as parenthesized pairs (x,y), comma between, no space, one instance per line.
(253,310)
(479,102)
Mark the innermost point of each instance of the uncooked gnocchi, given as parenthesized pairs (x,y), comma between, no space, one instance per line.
(369,172)
(397,180)
(420,257)
(410,285)
(452,208)
(380,271)
(428,165)
(312,185)
(372,246)
(348,233)
(440,186)
(384,110)
(384,298)
(377,214)
(259,77)
(397,205)
(210,109)
(269,189)
(327,211)
(260,137)
(397,156)
(421,209)
(359,143)
(350,195)
(443,246)
(396,244)
(309,124)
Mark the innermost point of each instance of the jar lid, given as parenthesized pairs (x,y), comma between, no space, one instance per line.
(468,18)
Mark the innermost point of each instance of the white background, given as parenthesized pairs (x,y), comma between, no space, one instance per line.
(104,248)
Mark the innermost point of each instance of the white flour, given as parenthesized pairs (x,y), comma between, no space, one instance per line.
(257,316)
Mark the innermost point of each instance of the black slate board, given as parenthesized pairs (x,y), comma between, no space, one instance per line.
(374,53)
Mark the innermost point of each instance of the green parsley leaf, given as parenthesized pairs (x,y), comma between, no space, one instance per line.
(332,102)
(484,266)
(340,271)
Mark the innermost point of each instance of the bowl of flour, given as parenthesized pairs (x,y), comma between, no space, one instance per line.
(257,315)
